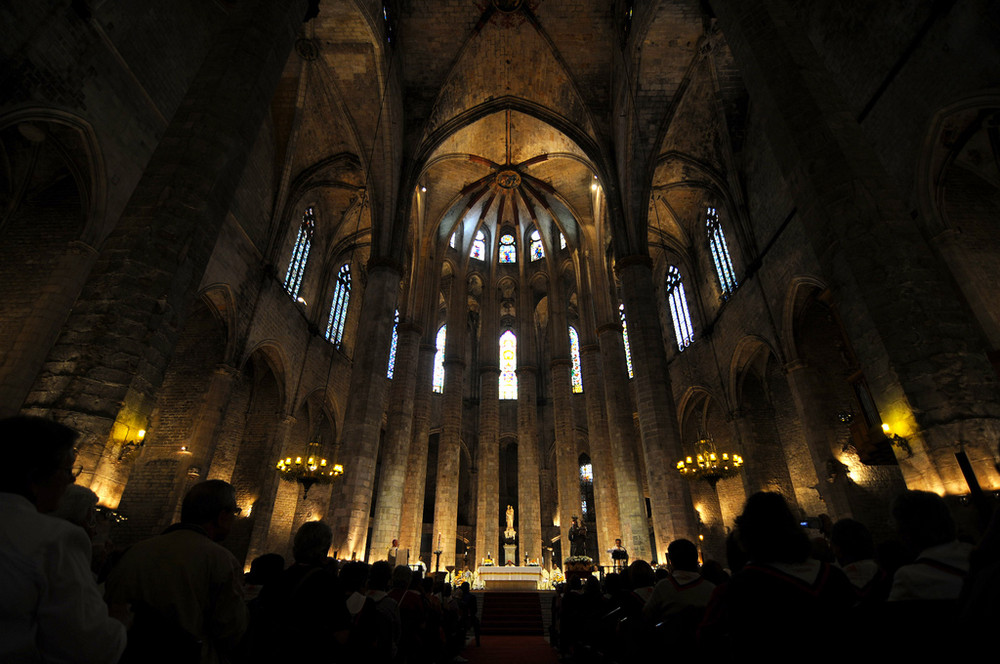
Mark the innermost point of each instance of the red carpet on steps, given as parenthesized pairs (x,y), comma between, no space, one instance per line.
(511,614)
(511,649)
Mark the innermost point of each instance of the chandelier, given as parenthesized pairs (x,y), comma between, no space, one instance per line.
(312,470)
(709,464)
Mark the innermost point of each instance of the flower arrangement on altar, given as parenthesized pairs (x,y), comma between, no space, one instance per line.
(556,576)
(579,560)
(533,562)
(488,562)
(464,576)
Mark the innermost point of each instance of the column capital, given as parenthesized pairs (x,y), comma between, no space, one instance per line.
(489,368)
(560,362)
(453,361)
(526,369)
(586,349)
(635,260)
(384,263)
(409,327)
(609,327)
(427,348)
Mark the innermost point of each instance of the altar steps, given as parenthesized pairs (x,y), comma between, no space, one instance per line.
(512,613)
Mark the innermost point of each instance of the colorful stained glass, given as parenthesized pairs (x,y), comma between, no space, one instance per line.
(437,383)
(720,253)
(392,346)
(576,376)
(508,253)
(628,351)
(508,365)
(537,251)
(451,240)
(562,241)
(300,253)
(479,246)
(683,329)
(338,308)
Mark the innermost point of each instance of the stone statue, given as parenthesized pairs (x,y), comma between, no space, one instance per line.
(510,534)
(577,538)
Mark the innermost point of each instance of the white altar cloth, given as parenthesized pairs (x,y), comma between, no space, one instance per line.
(511,578)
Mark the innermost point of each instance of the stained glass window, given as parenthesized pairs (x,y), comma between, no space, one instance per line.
(536,245)
(300,253)
(508,365)
(720,253)
(437,384)
(562,241)
(451,241)
(628,351)
(679,308)
(479,246)
(338,308)
(574,350)
(508,253)
(392,346)
(586,487)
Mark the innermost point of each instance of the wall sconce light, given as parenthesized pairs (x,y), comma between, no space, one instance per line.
(131,447)
(194,472)
(897,441)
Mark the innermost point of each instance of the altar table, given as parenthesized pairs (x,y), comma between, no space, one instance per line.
(510,578)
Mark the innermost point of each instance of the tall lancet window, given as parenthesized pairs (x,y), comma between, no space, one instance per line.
(508,365)
(628,351)
(437,383)
(537,251)
(392,346)
(576,377)
(508,253)
(338,308)
(679,308)
(720,253)
(562,241)
(451,240)
(479,246)
(300,253)
(586,488)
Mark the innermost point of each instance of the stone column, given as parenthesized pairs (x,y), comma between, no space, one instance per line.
(351,504)
(567,459)
(605,490)
(450,445)
(624,449)
(273,516)
(118,339)
(399,432)
(673,514)
(412,520)
(922,355)
(529,518)
(488,508)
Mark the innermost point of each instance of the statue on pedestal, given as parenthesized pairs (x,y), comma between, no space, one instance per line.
(577,538)
(509,539)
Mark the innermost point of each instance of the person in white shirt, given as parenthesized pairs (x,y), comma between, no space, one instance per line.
(942,563)
(50,607)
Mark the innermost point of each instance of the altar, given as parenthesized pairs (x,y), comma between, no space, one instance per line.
(511,578)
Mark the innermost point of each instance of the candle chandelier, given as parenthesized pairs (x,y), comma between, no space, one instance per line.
(310,470)
(708,463)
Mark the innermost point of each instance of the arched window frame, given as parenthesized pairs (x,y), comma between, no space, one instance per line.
(679,311)
(720,253)
(508,365)
(479,246)
(392,346)
(576,375)
(507,252)
(300,253)
(628,351)
(586,488)
(437,382)
(537,250)
(338,306)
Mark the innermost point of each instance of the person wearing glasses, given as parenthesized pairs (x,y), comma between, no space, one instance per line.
(50,606)
(184,587)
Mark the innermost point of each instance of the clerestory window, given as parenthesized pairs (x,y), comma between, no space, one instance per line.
(683,330)
(628,351)
(537,251)
(479,246)
(437,382)
(508,365)
(508,252)
(576,376)
(392,346)
(720,253)
(300,253)
(338,308)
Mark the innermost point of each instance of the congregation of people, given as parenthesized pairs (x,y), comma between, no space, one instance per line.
(180,596)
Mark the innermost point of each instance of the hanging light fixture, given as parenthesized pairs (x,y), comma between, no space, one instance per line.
(309,471)
(708,463)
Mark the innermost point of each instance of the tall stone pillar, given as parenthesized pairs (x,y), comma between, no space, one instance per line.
(450,445)
(110,358)
(412,520)
(529,518)
(911,331)
(605,488)
(272,515)
(351,504)
(624,448)
(488,494)
(567,459)
(673,512)
(399,432)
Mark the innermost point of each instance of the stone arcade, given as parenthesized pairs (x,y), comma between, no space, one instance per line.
(519,252)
